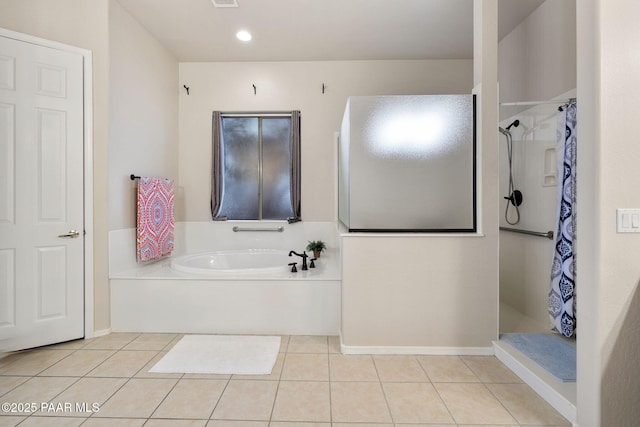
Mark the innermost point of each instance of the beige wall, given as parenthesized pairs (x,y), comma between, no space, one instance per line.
(537,60)
(143,113)
(83,24)
(608,267)
(289,86)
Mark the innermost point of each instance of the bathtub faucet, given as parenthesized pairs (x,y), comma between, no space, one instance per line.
(303,256)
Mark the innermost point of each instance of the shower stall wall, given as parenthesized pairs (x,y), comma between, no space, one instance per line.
(408,163)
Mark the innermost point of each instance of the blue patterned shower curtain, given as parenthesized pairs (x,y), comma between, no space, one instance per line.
(562,295)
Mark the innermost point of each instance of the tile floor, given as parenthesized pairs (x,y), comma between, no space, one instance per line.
(105,382)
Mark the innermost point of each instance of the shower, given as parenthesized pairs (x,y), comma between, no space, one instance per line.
(514,197)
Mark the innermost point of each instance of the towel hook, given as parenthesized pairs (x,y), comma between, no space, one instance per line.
(186,88)
(133,177)
(254,89)
(323,88)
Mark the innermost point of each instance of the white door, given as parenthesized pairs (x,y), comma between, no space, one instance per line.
(41,195)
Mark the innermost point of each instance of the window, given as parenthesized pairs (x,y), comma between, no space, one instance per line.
(256,166)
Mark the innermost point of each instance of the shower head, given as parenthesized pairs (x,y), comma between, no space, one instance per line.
(507,131)
(515,123)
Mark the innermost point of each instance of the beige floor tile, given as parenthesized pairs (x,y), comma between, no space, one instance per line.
(435,425)
(79,363)
(284,343)
(415,403)
(473,404)
(358,402)
(308,344)
(82,396)
(352,368)
(191,399)
(138,398)
(399,369)
(150,342)
(224,377)
(302,401)
(372,425)
(334,345)
(8,358)
(175,423)
(115,341)
(70,345)
(306,367)
(123,364)
(37,390)
(290,424)
(114,422)
(225,423)
(52,422)
(447,369)
(10,421)
(33,362)
(9,383)
(489,369)
(273,376)
(246,400)
(492,425)
(144,372)
(525,405)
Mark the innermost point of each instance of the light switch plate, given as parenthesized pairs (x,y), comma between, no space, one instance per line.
(628,220)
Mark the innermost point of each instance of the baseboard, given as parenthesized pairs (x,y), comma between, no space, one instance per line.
(541,382)
(422,350)
(101,332)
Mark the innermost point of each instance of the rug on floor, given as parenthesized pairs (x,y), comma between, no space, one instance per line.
(552,353)
(221,354)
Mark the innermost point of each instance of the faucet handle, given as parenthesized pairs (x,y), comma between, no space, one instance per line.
(311,263)
(293,268)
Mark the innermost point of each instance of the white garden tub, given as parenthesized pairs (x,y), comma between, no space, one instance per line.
(234,262)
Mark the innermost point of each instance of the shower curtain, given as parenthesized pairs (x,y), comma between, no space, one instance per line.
(562,294)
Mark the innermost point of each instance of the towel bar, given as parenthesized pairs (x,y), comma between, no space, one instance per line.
(278,229)
(548,234)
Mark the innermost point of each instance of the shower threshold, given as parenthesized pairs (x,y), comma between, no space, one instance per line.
(560,395)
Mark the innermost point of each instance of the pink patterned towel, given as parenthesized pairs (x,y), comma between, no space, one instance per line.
(154,236)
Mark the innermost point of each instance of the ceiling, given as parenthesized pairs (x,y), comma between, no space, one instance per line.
(310,30)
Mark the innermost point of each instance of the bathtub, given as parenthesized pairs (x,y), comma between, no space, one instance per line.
(234,262)
(183,294)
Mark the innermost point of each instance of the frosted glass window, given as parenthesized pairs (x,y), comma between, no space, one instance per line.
(276,173)
(241,168)
(256,160)
(407,163)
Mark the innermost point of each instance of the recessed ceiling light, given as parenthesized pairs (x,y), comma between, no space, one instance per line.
(243,35)
(225,3)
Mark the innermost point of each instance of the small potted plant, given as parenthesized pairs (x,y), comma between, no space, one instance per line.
(317,246)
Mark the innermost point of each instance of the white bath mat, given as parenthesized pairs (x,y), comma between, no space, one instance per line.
(221,354)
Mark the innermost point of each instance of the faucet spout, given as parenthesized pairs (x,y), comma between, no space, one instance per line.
(304,257)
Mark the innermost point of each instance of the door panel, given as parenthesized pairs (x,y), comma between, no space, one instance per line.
(41,195)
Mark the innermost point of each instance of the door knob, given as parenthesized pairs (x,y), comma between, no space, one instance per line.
(72,234)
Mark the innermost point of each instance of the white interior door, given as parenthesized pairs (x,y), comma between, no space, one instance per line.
(41,195)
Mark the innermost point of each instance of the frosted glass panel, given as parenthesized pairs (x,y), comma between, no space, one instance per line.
(410,163)
(276,168)
(241,173)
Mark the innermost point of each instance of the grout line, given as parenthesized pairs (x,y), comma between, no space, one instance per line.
(277,378)
(384,394)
